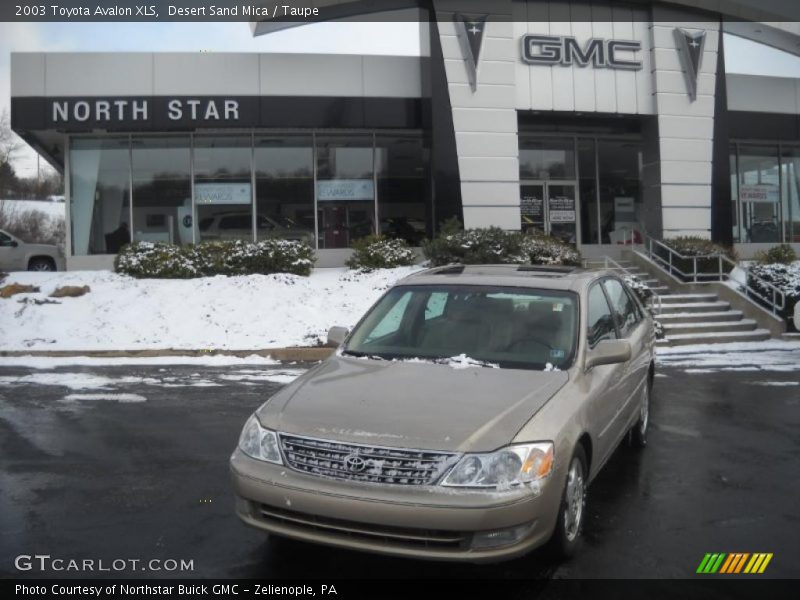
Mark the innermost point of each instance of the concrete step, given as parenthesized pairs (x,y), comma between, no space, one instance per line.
(684,339)
(695,307)
(689,298)
(671,329)
(727,315)
(661,290)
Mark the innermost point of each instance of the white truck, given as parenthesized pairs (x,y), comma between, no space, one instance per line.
(16,255)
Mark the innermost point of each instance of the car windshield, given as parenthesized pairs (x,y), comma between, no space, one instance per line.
(508,327)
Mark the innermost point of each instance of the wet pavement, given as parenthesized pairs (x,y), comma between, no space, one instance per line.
(135,466)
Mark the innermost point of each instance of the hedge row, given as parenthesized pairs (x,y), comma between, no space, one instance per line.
(169,261)
(493,245)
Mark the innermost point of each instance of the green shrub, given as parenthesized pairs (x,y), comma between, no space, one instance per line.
(493,245)
(691,247)
(542,249)
(697,246)
(379,252)
(168,261)
(781,255)
(784,277)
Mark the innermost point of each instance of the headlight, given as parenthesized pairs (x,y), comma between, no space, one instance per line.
(259,443)
(521,464)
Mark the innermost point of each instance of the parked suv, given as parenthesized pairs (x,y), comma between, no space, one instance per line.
(16,255)
(462,419)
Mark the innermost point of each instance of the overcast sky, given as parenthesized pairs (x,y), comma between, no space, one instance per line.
(742,56)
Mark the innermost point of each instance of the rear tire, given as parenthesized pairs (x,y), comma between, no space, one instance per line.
(41,264)
(638,436)
(572,512)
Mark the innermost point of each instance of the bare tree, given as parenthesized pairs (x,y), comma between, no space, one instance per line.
(9,142)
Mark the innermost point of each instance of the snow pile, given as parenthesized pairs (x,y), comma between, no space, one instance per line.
(772,355)
(241,312)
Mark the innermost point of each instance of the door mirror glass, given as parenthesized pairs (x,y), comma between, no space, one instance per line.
(337,335)
(608,352)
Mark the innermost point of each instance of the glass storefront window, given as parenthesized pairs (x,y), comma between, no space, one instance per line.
(402,175)
(285,187)
(222,190)
(790,167)
(621,216)
(162,189)
(345,189)
(587,169)
(546,158)
(99,195)
(737,233)
(759,193)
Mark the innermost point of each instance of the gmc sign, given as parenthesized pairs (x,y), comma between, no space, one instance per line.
(565,50)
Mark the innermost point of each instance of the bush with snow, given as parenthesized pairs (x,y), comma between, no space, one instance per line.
(169,261)
(379,252)
(784,277)
(783,254)
(492,245)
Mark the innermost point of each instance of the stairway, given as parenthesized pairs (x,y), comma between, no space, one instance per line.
(697,318)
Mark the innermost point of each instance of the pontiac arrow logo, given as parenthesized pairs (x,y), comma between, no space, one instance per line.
(470,34)
(690,48)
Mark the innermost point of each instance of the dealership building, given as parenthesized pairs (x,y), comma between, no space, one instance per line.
(600,123)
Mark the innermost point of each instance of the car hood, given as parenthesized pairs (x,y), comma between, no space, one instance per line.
(411,404)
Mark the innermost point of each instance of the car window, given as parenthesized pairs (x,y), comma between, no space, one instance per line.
(5,240)
(435,306)
(390,323)
(600,322)
(623,307)
(514,328)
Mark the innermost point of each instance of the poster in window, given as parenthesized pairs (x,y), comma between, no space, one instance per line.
(561,209)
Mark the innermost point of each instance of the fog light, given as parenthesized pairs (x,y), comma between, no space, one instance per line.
(501,537)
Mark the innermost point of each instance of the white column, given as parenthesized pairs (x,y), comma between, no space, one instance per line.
(686,130)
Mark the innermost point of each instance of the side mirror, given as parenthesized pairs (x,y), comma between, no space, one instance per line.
(337,335)
(14,243)
(608,352)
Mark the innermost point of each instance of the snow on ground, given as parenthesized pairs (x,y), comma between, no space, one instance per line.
(52,362)
(773,355)
(241,313)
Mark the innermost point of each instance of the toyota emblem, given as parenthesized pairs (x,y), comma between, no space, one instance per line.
(354,463)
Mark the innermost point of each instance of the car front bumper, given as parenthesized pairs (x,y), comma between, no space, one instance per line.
(430,522)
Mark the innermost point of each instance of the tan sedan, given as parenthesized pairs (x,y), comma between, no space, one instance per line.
(462,419)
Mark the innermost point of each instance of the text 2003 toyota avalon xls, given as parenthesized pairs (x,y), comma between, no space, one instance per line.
(462,419)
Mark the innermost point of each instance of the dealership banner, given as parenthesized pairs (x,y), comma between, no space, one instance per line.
(304,11)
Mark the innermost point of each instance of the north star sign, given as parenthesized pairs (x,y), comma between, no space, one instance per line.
(567,51)
(122,110)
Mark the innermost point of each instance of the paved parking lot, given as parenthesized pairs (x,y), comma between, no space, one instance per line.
(136,467)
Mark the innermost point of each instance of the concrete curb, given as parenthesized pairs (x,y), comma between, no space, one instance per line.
(282,354)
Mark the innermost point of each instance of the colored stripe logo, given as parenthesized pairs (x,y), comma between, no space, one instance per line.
(734,563)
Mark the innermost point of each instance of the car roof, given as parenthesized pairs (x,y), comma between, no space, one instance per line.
(530,276)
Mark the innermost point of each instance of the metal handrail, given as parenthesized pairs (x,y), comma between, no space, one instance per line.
(776,299)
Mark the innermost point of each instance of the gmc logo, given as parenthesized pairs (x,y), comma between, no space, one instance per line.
(565,50)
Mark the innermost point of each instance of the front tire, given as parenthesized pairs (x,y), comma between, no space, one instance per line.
(41,264)
(572,512)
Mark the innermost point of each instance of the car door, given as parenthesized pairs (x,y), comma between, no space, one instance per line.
(631,326)
(10,253)
(605,382)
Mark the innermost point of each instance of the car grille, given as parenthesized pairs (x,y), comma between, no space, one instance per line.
(356,462)
(382,535)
